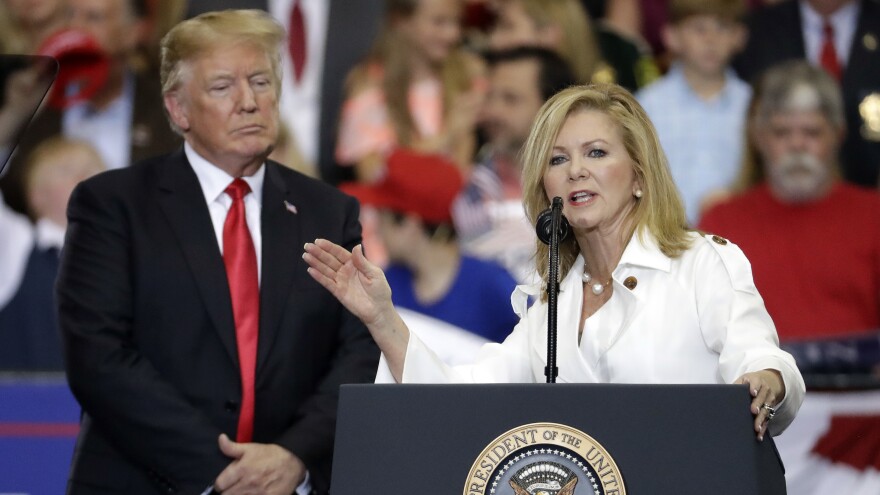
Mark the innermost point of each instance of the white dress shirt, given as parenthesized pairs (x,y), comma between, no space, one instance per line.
(301,101)
(214,182)
(16,243)
(843,22)
(108,130)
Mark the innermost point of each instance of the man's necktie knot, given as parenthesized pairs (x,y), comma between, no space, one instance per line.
(238,189)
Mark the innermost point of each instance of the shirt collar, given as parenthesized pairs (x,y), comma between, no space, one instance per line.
(724,96)
(844,16)
(48,235)
(644,251)
(214,180)
(117,108)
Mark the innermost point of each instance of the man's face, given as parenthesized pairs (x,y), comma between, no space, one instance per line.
(110,22)
(513,101)
(227,106)
(799,149)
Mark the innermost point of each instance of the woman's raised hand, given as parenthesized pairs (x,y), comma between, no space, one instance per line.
(361,287)
(356,282)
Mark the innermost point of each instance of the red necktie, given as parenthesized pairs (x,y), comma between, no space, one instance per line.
(297,40)
(828,57)
(240,259)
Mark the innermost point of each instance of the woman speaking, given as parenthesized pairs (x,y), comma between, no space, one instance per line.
(642,299)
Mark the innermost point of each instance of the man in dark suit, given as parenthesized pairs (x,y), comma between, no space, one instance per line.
(187,314)
(797,29)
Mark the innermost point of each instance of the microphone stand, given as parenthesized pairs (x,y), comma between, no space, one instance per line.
(551,371)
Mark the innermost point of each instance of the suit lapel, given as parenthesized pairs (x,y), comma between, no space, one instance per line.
(182,201)
(861,57)
(791,30)
(282,243)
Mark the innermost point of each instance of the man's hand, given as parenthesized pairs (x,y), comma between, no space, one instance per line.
(259,468)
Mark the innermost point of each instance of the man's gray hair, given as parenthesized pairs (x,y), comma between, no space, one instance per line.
(798,86)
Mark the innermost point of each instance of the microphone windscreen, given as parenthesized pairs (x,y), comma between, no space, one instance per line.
(544,226)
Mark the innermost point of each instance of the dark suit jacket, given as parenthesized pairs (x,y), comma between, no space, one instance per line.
(150,135)
(775,36)
(149,337)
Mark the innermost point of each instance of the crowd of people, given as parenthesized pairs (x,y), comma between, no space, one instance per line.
(732,168)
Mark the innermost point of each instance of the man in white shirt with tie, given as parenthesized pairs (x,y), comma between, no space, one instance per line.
(842,36)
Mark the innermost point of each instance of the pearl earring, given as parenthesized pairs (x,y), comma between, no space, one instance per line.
(638,193)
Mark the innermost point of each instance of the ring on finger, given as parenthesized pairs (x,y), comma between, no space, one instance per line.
(771,411)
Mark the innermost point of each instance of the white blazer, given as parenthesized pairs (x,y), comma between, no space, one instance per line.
(697,318)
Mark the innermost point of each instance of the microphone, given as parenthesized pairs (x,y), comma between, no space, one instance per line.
(544,225)
(552,228)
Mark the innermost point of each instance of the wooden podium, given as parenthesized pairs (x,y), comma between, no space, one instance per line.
(460,439)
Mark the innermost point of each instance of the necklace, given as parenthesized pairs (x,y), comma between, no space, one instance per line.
(598,287)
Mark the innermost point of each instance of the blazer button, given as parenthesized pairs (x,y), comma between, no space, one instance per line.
(717,239)
(630,283)
(231,406)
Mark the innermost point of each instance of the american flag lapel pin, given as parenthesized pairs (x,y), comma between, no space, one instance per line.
(290,207)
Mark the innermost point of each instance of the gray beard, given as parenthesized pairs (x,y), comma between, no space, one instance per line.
(799,177)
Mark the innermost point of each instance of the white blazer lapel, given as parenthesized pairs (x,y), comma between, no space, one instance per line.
(573,368)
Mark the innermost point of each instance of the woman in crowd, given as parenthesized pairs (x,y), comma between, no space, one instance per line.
(418,89)
(642,300)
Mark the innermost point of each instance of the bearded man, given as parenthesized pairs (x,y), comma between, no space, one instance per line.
(814,245)
(813,240)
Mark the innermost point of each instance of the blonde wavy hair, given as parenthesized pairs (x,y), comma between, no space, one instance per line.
(659,211)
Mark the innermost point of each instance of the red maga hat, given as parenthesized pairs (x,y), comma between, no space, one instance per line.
(414,183)
(83,66)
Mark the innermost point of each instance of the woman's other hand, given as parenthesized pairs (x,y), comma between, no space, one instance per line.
(767,390)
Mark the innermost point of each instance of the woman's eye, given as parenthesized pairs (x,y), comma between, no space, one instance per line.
(556,160)
(596,153)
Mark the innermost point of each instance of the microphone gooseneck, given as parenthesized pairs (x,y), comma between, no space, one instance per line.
(552,228)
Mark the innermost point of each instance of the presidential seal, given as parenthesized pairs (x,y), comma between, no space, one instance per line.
(544,459)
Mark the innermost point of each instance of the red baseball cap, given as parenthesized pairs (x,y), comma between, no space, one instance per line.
(83,66)
(415,183)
